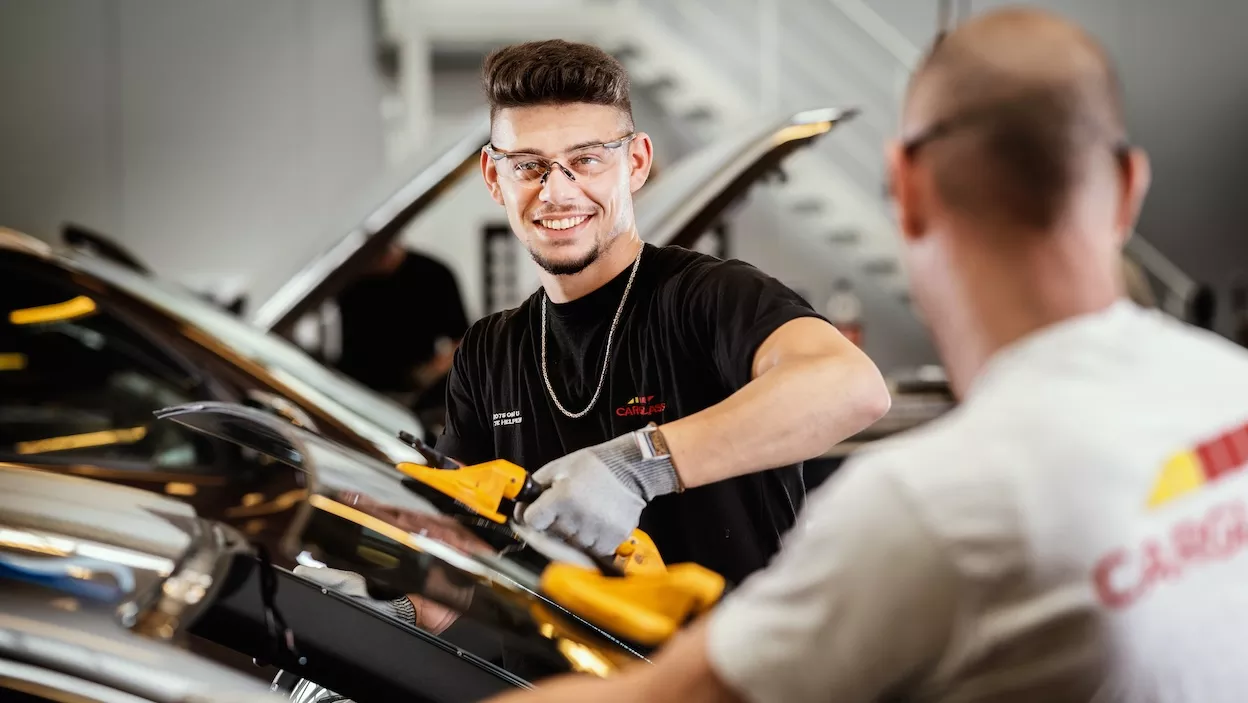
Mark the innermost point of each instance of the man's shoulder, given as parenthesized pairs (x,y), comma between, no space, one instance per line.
(497,330)
(682,273)
(675,261)
(948,470)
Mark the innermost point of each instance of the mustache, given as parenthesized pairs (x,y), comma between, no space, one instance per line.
(552,215)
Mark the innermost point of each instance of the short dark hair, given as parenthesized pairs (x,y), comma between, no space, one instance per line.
(554,72)
(1030,128)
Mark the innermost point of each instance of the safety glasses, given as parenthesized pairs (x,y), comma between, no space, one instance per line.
(585,162)
(1121,148)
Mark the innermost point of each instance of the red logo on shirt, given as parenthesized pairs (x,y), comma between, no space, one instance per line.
(641,405)
(1126,574)
(1210,461)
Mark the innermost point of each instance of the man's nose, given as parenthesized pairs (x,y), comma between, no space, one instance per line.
(558,185)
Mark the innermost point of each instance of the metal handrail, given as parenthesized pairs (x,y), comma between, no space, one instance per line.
(1179,291)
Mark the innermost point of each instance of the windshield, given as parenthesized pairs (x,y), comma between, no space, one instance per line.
(368,414)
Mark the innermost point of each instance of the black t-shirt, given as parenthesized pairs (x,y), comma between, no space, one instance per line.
(686,341)
(390,323)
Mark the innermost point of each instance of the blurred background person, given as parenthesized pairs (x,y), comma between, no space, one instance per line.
(391,346)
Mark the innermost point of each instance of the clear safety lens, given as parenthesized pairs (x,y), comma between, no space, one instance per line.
(588,162)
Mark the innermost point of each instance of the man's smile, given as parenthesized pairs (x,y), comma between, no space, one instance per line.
(563,226)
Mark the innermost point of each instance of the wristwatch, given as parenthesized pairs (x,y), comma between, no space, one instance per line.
(653,447)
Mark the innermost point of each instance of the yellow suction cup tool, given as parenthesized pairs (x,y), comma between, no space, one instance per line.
(639,555)
(645,608)
(480,488)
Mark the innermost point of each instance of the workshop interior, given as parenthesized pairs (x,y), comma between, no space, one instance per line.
(240,243)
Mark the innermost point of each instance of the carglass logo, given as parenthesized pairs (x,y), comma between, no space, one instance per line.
(1188,541)
(641,405)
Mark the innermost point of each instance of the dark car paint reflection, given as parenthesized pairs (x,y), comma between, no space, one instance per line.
(361,515)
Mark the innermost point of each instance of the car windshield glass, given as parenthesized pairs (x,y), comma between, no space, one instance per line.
(370,415)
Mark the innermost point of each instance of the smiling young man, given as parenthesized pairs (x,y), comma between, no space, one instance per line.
(645,386)
(1077,529)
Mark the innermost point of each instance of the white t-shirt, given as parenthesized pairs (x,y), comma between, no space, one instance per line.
(1076,530)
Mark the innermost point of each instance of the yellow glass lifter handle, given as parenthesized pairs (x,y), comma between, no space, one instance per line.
(644,608)
(647,606)
(480,488)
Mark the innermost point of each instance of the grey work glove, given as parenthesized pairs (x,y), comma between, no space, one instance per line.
(594,497)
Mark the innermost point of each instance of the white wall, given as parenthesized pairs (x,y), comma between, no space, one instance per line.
(209,137)
(59,145)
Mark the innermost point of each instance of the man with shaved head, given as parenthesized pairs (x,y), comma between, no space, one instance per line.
(1077,529)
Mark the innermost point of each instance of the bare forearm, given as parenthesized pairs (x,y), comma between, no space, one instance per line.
(793,412)
(576,688)
(681,673)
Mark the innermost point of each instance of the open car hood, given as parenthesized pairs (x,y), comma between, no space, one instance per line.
(359,514)
(394,202)
(688,198)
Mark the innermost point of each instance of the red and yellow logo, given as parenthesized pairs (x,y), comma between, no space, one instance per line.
(641,405)
(1187,471)
(1127,574)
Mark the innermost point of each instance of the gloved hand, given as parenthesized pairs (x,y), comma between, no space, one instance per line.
(594,497)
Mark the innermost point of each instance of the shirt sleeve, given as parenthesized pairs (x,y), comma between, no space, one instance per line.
(859,601)
(732,307)
(465,436)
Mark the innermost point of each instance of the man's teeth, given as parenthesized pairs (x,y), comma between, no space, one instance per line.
(565,223)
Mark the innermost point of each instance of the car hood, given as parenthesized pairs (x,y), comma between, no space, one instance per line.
(379,218)
(692,193)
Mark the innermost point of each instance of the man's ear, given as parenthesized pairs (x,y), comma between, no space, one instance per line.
(904,190)
(489,171)
(1137,177)
(640,159)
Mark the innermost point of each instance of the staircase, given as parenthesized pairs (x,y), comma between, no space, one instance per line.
(716,64)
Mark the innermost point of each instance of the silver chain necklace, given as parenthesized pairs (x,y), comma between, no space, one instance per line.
(606,361)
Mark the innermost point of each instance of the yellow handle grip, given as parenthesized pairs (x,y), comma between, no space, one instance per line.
(480,488)
(644,608)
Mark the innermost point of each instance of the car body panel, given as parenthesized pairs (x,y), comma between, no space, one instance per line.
(93,644)
(51,642)
(149,557)
(100,581)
